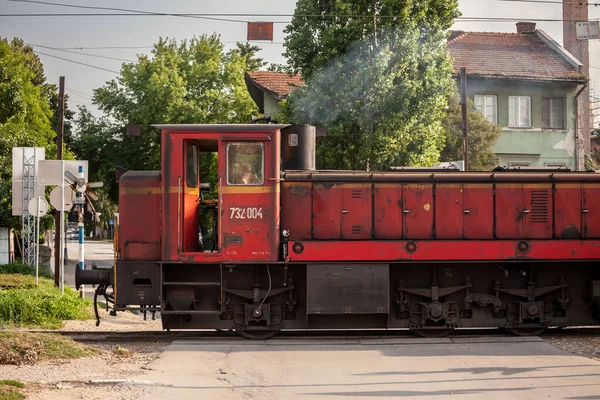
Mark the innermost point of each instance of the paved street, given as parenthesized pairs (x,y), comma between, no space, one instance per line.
(99,252)
(465,368)
(506,368)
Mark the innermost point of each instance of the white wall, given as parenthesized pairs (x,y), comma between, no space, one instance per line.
(271,105)
(4,246)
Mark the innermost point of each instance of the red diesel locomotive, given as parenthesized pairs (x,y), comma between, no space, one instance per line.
(284,246)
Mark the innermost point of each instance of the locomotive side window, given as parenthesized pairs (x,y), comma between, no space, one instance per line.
(191,165)
(245,163)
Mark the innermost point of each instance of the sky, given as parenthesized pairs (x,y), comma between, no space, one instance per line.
(122,38)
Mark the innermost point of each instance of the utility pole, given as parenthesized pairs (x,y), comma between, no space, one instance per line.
(463,106)
(59,155)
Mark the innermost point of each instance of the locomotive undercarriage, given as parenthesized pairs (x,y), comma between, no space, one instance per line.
(259,300)
(431,300)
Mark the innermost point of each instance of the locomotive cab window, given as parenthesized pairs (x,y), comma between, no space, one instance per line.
(245,163)
(191,165)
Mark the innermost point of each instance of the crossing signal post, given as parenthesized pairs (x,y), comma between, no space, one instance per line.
(80,202)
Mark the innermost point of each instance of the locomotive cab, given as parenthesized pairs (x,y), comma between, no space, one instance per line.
(237,219)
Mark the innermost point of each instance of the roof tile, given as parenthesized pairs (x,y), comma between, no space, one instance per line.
(279,84)
(509,55)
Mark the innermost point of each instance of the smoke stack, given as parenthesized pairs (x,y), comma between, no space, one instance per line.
(525,27)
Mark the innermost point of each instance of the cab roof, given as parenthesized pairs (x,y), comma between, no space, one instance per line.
(230,128)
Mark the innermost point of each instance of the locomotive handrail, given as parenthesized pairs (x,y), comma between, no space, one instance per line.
(441,177)
(179,213)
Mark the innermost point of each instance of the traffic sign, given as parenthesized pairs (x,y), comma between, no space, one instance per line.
(111,222)
(56,198)
(38,211)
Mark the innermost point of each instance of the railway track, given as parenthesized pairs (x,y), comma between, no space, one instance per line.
(125,336)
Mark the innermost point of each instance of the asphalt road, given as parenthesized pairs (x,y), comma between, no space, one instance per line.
(462,368)
(100,253)
(412,368)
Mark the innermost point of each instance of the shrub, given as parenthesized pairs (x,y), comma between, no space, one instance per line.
(25,269)
(24,304)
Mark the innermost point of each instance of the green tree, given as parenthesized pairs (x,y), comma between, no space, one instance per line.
(482,137)
(25,115)
(253,63)
(377,76)
(192,81)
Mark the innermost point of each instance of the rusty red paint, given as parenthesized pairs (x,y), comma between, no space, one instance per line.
(449,211)
(260,31)
(446,250)
(139,198)
(418,211)
(296,203)
(327,211)
(567,206)
(479,220)
(388,211)
(591,218)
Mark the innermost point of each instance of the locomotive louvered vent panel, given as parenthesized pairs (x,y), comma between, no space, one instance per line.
(357,193)
(357,229)
(539,205)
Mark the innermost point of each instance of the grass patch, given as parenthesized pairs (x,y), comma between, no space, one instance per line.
(27,348)
(12,382)
(25,269)
(24,304)
(8,393)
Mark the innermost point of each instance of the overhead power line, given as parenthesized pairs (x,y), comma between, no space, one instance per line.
(80,53)
(104,47)
(77,62)
(583,3)
(139,12)
(459,19)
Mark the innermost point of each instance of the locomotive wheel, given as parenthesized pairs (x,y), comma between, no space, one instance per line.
(432,333)
(527,331)
(257,334)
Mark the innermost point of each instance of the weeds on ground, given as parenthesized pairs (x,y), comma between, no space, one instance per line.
(27,348)
(8,391)
(122,352)
(22,303)
(25,269)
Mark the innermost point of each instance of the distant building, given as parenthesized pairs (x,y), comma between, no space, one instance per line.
(268,88)
(526,83)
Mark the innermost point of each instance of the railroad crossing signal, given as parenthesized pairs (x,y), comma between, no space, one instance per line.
(56,201)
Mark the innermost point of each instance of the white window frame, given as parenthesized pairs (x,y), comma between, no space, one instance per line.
(555,164)
(519,164)
(514,121)
(552,99)
(483,107)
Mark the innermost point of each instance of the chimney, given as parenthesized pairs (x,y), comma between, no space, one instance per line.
(525,27)
(574,11)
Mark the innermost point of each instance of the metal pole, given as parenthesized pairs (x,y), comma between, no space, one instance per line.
(59,156)
(463,105)
(37,241)
(62,234)
(80,227)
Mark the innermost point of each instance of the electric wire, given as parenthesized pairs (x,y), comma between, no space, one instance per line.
(458,19)
(77,62)
(139,12)
(80,53)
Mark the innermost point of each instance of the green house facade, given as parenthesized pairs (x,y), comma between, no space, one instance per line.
(527,84)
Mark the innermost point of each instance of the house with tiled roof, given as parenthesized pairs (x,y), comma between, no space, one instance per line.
(268,88)
(526,83)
